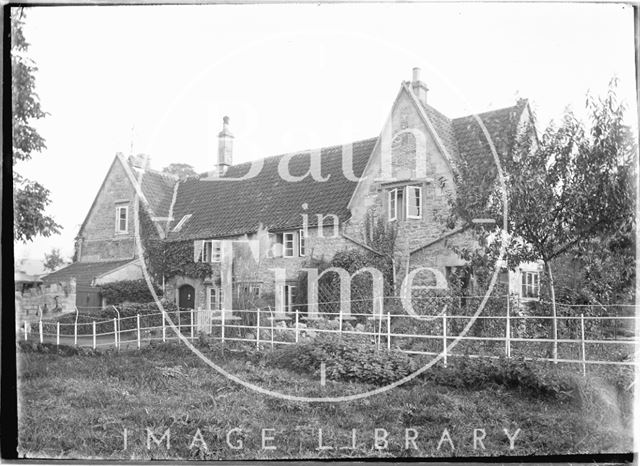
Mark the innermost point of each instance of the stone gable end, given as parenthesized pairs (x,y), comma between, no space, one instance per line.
(100,241)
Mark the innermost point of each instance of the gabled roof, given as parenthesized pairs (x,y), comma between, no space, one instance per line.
(229,208)
(223,209)
(83,272)
(444,129)
(158,189)
(501,124)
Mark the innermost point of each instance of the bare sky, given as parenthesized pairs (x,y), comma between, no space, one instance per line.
(291,77)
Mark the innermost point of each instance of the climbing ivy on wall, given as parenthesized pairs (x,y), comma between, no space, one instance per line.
(168,258)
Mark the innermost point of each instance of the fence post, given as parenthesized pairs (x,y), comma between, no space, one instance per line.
(58,333)
(138,328)
(297,330)
(75,332)
(444,336)
(26,335)
(258,328)
(272,327)
(164,332)
(94,334)
(507,340)
(222,325)
(179,327)
(192,324)
(388,331)
(584,356)
(115,332)
(40,329)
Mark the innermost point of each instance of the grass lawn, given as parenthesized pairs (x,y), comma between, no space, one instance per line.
(78,406)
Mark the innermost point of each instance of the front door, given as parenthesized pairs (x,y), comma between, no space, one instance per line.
(186,297)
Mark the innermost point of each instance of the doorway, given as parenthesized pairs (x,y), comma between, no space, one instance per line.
(186,297)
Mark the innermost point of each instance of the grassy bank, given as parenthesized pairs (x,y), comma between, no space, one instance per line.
(78,405)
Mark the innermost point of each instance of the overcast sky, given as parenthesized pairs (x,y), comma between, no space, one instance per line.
(291,77)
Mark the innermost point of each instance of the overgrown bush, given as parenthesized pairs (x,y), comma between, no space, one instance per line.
(537,379)
(134,291)
(346,359)
(150,316)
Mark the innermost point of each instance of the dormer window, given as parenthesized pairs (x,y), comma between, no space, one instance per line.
(207,251)
(288,244)
(122,219)
(181,223)
(302,243)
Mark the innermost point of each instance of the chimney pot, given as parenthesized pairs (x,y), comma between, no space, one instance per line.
(416,74)
(419,88)
(225,147)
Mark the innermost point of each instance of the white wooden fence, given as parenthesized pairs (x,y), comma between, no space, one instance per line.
(262,328)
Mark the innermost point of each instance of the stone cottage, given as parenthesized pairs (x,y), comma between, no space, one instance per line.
(290,208)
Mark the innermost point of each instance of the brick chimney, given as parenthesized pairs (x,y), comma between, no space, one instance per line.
(225,147)
(419,88)
(140,161)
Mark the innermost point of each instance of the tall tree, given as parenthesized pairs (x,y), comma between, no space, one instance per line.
(572,188)
(30,197)
(53,260)
(183,170)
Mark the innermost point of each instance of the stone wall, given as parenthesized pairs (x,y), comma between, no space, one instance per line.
(371,196)
(44,298)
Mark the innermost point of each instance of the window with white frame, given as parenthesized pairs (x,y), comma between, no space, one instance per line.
(530,284)
(414,201)
(122,219)
(405,202)
(214,298)
(287,292)
(211,251)
(288,244)
(302,243)
(255,290)
(392,204)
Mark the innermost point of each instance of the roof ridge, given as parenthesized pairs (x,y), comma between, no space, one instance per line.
(294,153)
(162,174)
(431,107)
(490,111)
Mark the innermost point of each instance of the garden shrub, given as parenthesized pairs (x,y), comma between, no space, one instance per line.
(346,359)
(134,291)
(537,379)
(150,316)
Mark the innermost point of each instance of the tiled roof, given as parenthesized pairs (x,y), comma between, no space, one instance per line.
(501,125)
(83,272)
(158,189)
(229,208)
(223,209)
(444,129)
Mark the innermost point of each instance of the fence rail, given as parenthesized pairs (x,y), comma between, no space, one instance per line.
(492,336)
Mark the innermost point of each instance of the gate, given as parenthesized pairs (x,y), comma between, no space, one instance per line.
(204,320)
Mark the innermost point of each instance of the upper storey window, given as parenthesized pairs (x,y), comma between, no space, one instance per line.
(404,203)
(122,219)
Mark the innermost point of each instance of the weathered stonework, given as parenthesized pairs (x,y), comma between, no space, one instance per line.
(99,240)
(42,300)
